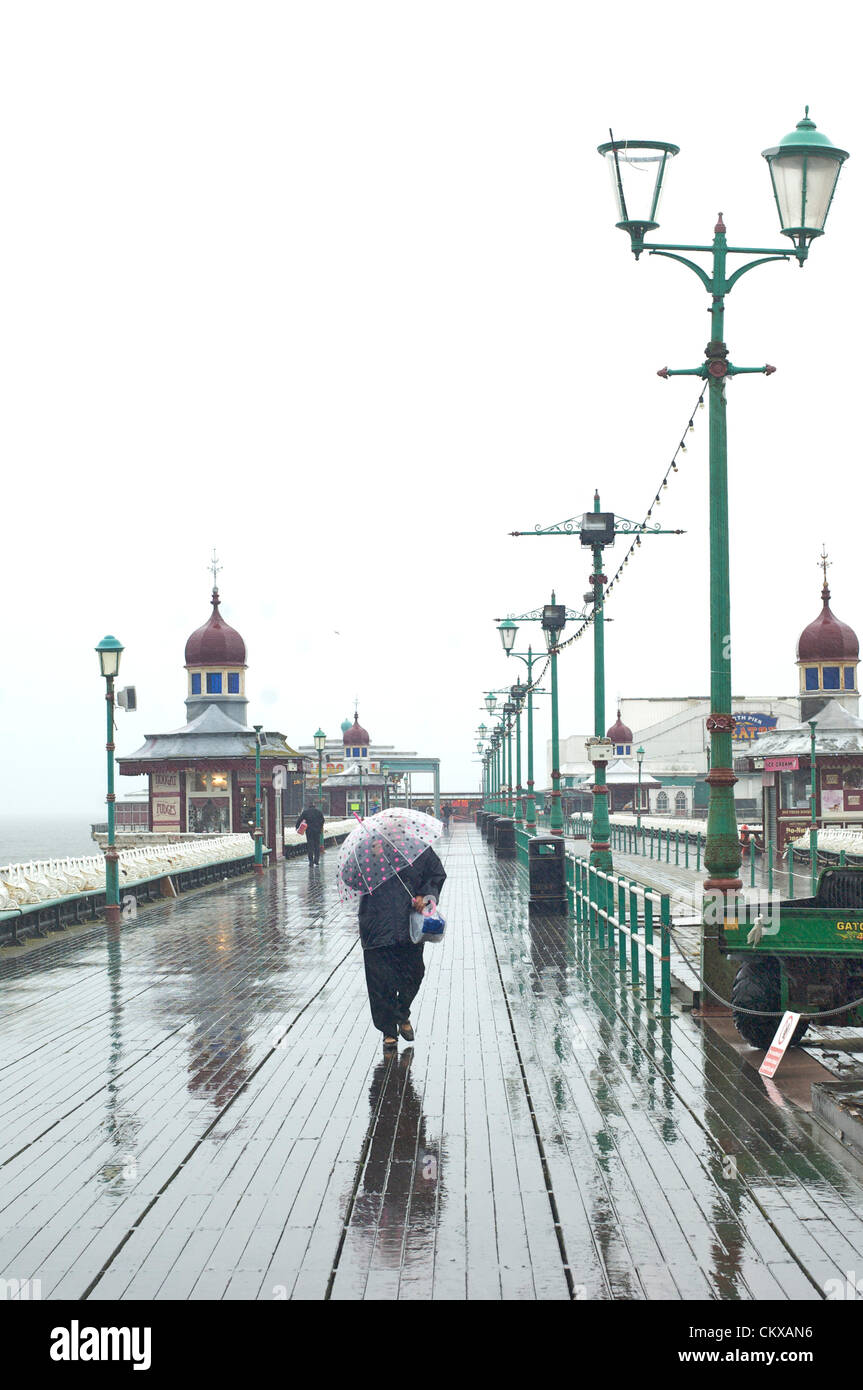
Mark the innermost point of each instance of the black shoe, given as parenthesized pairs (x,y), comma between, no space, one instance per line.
(390,1046)
(406,1031)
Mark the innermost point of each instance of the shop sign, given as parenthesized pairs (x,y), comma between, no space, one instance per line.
(166,810)
(748,727)
(166,781)
(781,764)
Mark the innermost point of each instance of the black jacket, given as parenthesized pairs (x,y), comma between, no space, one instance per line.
(313,817)
(385,913)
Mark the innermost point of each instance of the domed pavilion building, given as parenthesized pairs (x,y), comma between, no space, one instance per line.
(201,777)
(827,659)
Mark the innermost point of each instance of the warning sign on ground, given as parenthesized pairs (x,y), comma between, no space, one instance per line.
(776,1050)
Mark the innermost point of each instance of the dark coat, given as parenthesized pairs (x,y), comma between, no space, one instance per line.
(385,913)
(313,817)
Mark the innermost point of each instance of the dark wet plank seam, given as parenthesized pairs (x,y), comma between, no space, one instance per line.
(552,1201)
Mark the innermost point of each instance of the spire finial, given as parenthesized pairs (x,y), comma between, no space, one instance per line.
(823,561)
(720,226)
(824,564)
(215,566)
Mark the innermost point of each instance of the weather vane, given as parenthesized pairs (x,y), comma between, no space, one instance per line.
(215,567)
(823,561)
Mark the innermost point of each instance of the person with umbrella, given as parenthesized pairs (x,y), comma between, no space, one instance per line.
(314,819)
(388,862)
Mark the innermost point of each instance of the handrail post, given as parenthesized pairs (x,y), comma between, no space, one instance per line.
(770,866)
(665,961)
(621,919)
(791,871)
(649,991)
(633,932)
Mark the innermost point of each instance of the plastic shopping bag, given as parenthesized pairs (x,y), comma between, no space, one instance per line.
(428,925)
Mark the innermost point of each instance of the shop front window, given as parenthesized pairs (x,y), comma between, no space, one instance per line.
(794,790)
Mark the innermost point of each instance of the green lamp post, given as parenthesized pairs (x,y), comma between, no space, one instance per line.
(496,777)
(804,168)
(509,715)
(813,823)
(259,834)
(518,693)
(320,745)
(110,651)
(508,629)
(640,756)
(553,623)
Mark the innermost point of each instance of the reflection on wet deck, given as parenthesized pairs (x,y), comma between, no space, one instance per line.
(198,1108)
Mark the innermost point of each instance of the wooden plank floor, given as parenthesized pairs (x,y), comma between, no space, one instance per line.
(198,1108)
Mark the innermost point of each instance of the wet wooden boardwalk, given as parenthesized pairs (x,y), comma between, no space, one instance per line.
(198,1108)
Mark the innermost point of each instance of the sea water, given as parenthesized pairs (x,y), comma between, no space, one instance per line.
(56,836)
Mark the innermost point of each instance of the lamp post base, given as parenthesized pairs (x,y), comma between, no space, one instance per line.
(113,914)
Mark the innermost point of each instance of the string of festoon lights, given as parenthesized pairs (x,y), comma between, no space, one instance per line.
(672,468)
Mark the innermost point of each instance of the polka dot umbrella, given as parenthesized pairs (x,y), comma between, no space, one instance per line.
(379,846)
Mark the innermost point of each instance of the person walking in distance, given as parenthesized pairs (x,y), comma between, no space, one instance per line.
(314,819)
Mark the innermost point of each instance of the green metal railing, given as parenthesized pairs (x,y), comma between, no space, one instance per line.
(608,903)
(604,903)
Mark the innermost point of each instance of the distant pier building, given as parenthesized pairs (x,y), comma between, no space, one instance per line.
(201,777)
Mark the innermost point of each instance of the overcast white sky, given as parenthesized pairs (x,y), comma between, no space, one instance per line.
(336,288)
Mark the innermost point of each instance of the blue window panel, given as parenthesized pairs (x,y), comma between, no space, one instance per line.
(849,678)
(365,752)
(811,677)
(196,682)
(233,682)
(831,677)
(214,682)
(356,752)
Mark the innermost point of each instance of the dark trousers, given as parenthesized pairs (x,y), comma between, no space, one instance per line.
(393,976)
(313,845)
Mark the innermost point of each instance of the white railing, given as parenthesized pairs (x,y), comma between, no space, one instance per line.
(41,880)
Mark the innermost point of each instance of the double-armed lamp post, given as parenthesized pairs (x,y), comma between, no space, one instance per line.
(804,169)
(552,618)
(597,530)
(110,651)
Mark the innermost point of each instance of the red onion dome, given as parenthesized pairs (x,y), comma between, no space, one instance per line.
(619,733)
(827,639)
(216,643)
(355,735)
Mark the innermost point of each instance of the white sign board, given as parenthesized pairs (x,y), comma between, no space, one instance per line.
(166,812)
(776,1050)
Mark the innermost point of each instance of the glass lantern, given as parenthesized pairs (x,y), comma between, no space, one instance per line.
(804,169)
